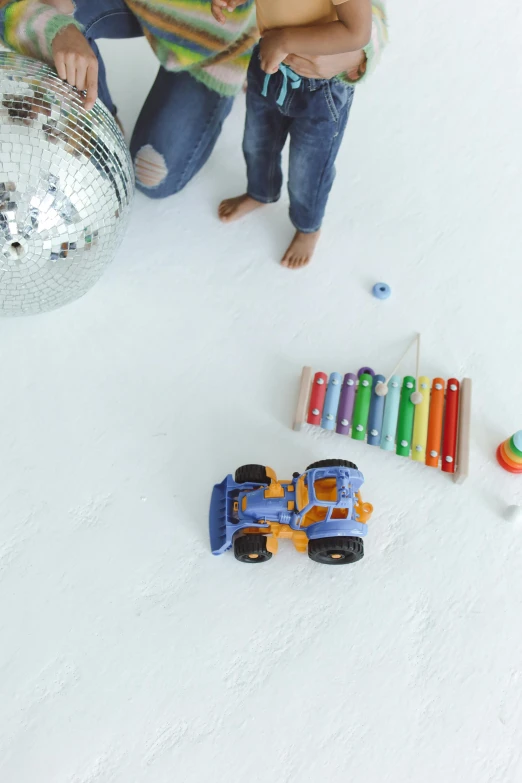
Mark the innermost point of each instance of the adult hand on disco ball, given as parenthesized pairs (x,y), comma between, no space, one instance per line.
(66,185)
(76,63)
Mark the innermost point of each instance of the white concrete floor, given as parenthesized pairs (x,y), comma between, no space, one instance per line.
(127,653)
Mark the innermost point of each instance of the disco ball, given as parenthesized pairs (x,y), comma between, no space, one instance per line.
(66,187)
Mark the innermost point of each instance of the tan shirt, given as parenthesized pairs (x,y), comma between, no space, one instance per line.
(294,13)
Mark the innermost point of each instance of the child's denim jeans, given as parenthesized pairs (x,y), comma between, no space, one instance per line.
(314,114)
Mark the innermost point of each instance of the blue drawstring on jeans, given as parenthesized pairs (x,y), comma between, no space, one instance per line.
(287,72)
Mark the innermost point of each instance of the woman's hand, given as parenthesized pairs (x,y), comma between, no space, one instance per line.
(218,6)
(76,63)
(328,66)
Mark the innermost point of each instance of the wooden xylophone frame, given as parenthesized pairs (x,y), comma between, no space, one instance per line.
(460,468)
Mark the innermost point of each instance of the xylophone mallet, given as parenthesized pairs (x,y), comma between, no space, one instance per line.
(417,396)
(381,389)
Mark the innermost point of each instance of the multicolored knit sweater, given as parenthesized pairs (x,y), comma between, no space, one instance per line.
(183,33)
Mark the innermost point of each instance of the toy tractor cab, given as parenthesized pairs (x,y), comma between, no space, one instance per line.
(320,510)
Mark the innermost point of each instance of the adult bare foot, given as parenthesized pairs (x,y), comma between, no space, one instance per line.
(234,208)
(300,250)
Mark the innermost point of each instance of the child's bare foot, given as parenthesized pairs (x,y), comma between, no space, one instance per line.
(234,208)
(300,250)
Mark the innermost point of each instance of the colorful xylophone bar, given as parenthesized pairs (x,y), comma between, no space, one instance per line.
(435,431)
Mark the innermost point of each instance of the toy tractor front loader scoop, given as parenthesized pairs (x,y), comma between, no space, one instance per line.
(220,515)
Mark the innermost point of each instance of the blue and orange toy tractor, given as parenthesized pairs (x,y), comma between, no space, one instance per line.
(320,510)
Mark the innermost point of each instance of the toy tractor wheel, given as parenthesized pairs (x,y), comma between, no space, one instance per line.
(333,463)
(251,474)
(251,548)
(337,550)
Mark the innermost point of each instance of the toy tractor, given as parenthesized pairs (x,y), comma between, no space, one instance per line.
(321,510)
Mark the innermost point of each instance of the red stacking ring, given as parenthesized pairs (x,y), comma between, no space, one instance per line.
(503,463)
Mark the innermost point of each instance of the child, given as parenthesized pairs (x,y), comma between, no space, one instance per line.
(312,112)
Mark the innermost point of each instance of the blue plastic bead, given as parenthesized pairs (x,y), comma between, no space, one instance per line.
(381,290)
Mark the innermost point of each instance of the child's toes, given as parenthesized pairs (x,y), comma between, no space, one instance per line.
(299,261)
(292,261)
(224,210)
(300,250)
(235,208)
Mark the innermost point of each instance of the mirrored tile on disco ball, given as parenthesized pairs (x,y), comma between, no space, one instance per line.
(66,189)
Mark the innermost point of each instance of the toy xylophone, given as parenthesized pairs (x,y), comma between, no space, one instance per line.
(428,421)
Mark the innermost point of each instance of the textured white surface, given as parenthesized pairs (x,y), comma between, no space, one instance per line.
(127,653)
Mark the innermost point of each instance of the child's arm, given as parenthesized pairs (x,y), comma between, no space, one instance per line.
(350,33)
